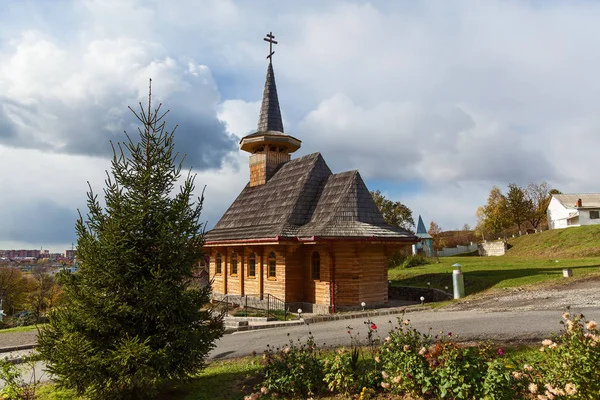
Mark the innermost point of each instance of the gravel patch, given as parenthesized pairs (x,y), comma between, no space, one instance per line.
(577,294)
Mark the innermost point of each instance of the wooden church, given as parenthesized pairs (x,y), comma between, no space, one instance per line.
(309,237)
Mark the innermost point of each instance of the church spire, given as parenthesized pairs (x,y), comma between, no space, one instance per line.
(270,114)
(269,147)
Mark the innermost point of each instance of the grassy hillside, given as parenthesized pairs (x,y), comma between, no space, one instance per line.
(576,242)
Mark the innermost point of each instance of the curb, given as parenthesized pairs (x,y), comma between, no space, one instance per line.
(17,348)
(364,314)
(326,318)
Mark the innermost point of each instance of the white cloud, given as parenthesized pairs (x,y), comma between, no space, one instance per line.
(451,97)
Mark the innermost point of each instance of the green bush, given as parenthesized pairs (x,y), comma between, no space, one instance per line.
(570,365)
(341,371)
(294,370)
(415,261)
(437,367)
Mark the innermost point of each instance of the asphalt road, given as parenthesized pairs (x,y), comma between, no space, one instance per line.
(509,326)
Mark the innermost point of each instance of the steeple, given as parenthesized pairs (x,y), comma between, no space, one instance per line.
(421,226)
(269,147)
(270,114)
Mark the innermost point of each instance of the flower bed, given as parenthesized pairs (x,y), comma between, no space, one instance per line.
(435,366)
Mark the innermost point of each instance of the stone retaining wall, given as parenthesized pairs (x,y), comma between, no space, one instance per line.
(497,248)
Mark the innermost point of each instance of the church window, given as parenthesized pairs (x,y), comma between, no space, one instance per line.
(272,148)
(234,263)
(316,266)
(272,265)
(218,264)
(252,265)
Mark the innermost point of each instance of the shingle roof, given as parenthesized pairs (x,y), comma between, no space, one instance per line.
(270,114)
(588,200)
(304,199)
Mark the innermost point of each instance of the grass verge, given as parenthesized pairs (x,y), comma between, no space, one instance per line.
(21,329)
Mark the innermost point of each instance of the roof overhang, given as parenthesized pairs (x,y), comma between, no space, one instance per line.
(251,142)
(311,240)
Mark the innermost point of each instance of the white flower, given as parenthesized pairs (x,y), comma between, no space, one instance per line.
(570,389)
(527,367)
(517,375)
(546,342)
(406,347)
(533,388)
(422,351)
(591,325)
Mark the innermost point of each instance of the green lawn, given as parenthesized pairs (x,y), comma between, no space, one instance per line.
(483,273)
(221,380)
(21,329)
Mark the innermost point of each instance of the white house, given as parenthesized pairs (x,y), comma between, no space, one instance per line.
(576,209)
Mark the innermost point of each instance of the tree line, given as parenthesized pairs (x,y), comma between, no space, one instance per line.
(518,210)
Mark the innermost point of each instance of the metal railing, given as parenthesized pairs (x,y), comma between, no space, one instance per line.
(257,305)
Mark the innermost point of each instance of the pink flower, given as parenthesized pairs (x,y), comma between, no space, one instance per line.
(500,351)
(449,333)
(264,390)
(373,326)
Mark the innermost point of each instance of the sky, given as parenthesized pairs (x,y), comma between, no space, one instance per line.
(434,102)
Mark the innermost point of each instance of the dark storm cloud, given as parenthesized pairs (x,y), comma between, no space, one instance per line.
(87,129)
(41,221)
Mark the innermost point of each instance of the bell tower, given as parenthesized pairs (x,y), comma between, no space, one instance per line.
(269,146)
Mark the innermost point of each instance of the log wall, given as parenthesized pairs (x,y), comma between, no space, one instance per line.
(360,271)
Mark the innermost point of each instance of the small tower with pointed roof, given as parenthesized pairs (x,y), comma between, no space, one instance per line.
(426,244)
(269,146)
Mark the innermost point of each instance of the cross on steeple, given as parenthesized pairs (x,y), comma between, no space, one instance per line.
(269,39)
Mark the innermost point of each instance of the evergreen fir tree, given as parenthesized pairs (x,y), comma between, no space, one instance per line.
(133,319)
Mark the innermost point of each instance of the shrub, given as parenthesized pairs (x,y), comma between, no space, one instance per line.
(293,370)
(415,261)
(341,371)
(570,365)
(438,367)
(404,367)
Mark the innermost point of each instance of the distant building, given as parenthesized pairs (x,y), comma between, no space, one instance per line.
(576,209)
(22,254)
(425,246)
(70,254)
